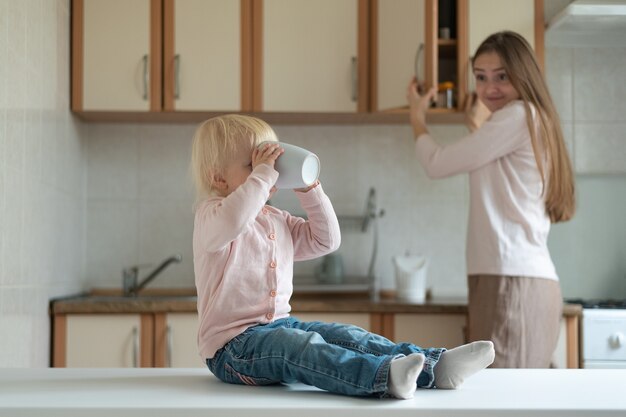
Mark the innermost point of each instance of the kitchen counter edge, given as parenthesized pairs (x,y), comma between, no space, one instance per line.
(89,304)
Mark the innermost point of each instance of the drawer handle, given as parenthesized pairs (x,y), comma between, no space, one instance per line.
(170,342)
(177,76)
(418,68)
(355,79)
(135,347)
(146,77)
(616,340)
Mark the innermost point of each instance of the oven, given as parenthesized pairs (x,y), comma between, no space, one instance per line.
(603,328)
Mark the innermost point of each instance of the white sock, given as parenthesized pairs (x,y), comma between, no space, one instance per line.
(461,362)
(403,373)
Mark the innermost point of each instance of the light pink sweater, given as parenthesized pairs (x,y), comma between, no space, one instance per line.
(244,252)
(508,224)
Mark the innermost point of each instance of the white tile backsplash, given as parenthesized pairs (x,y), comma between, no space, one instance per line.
(163,169)
(600,148)
(599,84)
(112,162)
(113,236)
(560,78)
(165,229)
(590,251)
(42,177)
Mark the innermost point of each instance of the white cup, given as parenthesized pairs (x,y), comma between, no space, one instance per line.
(297,167)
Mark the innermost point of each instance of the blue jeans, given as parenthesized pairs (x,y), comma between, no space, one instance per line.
(339,358)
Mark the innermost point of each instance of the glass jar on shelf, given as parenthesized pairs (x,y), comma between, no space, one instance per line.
(445,96)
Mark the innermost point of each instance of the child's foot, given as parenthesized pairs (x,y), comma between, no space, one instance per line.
(403,374)
(461,362)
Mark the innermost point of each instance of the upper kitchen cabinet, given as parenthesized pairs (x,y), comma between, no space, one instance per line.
(455,28)
(288,61)
(207,55)
(489,16)
(433,40)
(397,50)
(116,55)
(156,56)
(310,56)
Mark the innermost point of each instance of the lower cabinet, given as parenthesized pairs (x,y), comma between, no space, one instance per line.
(98,341)
(125,340)
(170,339)
(176,344)
(430,330)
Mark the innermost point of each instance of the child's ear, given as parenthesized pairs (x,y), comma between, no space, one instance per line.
(219,182)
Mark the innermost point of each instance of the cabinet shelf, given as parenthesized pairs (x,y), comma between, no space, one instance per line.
(393,116)
(447,42)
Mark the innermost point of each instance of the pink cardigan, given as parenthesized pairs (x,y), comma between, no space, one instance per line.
(244,252)
(508,224)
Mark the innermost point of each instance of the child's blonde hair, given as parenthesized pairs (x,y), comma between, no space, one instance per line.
(217,141)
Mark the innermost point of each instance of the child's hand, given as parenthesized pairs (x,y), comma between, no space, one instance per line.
(266,154)
(310,187)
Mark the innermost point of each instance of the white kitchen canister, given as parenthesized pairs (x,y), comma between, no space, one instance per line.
(297,167)
(411,277)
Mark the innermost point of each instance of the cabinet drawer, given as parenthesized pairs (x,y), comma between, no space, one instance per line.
(98,341)
(430,330)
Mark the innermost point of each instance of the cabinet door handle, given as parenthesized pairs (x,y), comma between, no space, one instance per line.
(170,341)
(471,83)
(177,76)
(146,77)
(355,78)
(135,347)
(418,59)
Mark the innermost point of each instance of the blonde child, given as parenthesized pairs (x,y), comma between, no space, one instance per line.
(243,260)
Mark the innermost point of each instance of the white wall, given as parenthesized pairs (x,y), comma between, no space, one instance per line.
(589,88)
(42,171)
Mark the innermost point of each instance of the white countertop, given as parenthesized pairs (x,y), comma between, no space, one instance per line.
(196,392)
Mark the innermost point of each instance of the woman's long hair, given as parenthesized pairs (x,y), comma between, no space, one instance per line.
(551,154)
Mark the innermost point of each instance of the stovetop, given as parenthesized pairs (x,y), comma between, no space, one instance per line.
(598,304)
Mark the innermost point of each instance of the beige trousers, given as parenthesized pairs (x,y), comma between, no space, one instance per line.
(520,315)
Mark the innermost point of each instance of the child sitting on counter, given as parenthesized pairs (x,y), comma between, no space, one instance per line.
(243,260)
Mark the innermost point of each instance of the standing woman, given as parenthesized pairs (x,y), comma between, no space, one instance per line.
(520,181)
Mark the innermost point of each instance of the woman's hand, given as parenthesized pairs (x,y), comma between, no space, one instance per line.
(266,154)
(476,113)
(418,105)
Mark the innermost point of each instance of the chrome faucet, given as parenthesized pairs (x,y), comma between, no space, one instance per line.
(130,276)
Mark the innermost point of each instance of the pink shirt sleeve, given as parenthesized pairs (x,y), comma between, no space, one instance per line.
(319,234)
(504,132)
